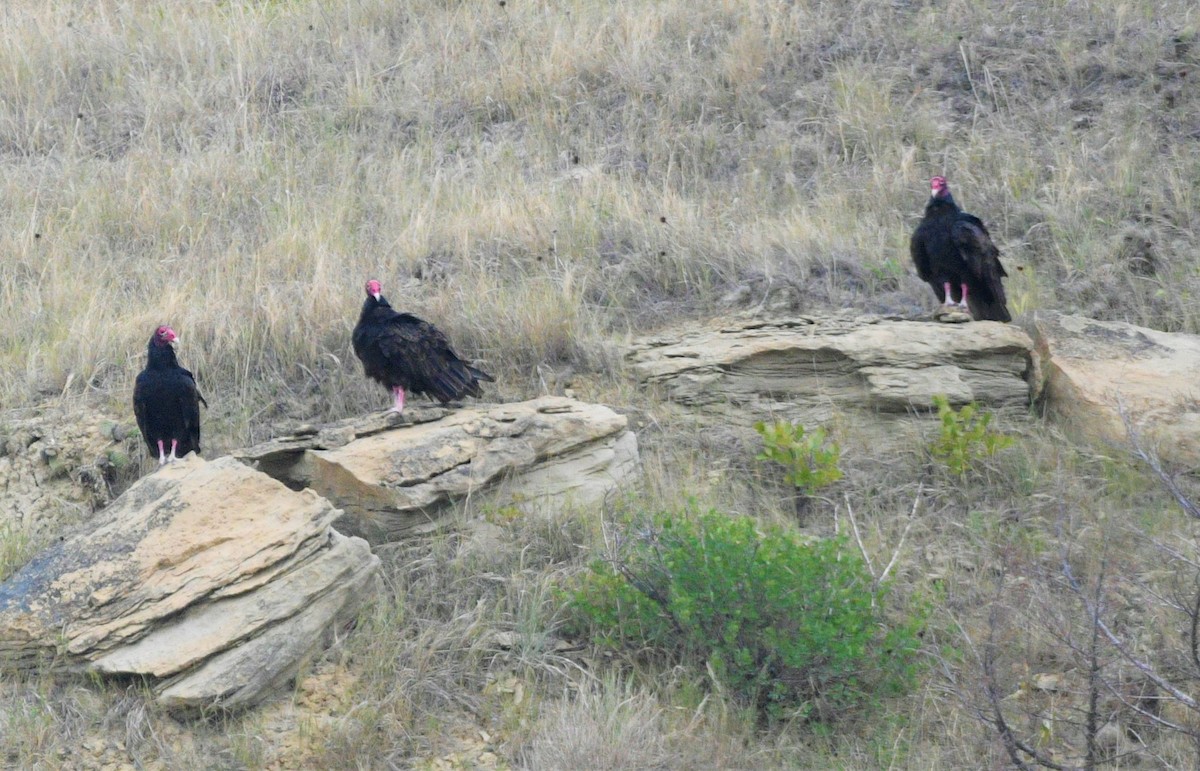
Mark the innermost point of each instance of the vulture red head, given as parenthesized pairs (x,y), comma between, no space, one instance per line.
(374,289)
(164,335)
(938,187)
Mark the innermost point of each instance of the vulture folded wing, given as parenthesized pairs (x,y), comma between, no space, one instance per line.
(920,256)
(197,396)
(141,406)
(401,347)
(189,401)
(975,245)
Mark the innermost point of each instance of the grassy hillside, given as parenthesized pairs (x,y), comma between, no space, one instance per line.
(543,180)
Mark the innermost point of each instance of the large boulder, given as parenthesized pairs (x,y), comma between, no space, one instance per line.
(1093,367)
(396,476)
(212,579)
(810,368)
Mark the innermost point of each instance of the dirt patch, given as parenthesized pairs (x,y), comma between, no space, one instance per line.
(321,696)
(59,465)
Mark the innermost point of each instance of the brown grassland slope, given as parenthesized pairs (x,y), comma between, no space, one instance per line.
(542,181)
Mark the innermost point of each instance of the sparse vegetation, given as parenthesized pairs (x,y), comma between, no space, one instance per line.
(810,458)
(966,436)
(15,548)
(542,180)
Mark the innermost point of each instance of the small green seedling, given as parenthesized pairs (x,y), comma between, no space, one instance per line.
(966,436)
(810,457)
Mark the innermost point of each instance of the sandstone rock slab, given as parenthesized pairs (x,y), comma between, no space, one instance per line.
(210,578)
(1092,367)
(809,367)
(397,476)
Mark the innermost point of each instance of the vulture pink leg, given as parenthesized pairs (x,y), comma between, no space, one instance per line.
(174,444)
(162,454)
(398,392)
(949,297)
(963,302)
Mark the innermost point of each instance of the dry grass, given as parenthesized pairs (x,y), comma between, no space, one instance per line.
(542,180)
(556,174)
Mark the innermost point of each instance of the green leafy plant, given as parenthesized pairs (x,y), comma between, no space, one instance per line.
(966,436)
(789,625)
(810,457)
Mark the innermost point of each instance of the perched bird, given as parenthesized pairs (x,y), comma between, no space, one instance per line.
(404,353)
(166,401)
(955,255)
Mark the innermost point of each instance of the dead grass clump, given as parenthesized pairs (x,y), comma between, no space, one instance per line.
(611,727)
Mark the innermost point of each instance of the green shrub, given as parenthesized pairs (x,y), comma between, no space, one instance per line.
(795,628)
(810,458)
(966,436)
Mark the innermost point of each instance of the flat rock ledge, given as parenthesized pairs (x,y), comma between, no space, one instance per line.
(811,368)
(211,579)
(396,476)
(1094,369)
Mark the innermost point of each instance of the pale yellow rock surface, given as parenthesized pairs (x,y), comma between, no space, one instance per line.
(1093,366)
(210,574)
(810,368)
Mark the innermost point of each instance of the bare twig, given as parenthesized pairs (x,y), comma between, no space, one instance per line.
(912,516)
(1195,637)
(1156,719)
(858,540)
(1092,727)
(1146,669)
(1017,749)
(1151,459)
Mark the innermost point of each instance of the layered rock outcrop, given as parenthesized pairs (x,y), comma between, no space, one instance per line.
(1094,369)
(216,580)
(395,476)
(809,368)
(212,579)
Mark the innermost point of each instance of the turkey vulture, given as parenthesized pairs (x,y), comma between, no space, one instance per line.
(166,402)
(955,255)
(403,352)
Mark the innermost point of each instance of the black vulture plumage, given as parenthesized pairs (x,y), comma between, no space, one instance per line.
(166,401)
(954,254)
(404,353)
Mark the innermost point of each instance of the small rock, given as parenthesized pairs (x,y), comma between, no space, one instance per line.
(505,640)
(944,315)
(42,480)
(1050,683)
